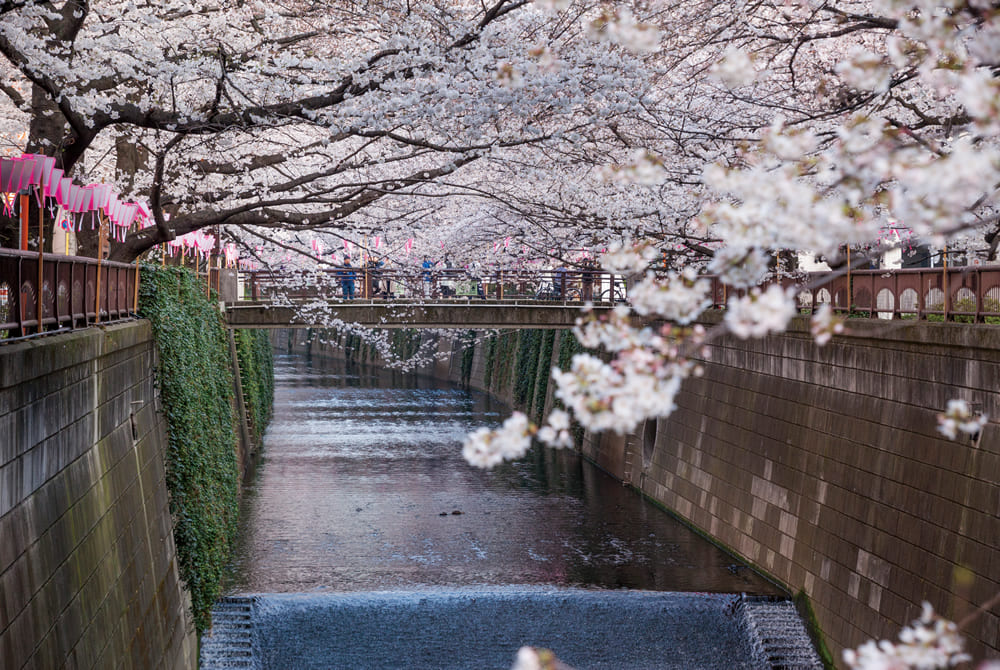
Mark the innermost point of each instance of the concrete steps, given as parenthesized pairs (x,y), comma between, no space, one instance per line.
(778,637)
(231,643)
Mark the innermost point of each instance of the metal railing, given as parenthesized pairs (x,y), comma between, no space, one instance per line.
(967,294)
(40,293)
(342,283)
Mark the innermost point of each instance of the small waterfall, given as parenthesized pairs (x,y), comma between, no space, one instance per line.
(778,637)
(231,644)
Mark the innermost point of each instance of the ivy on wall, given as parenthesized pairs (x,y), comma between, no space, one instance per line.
(253,351)
(196,388)
(489,357)
(468,340)
(544,373)
(527,367)
(503,361)
(569,347)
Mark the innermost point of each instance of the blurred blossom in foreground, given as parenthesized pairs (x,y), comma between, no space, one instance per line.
(760,313)
(485,448)
(734,69)
(825,324)
(958,418)
(929,642)
(533,658)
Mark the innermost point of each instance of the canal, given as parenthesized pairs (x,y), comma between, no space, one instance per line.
(365,537)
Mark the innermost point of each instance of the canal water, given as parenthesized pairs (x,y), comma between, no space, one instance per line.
(365,534)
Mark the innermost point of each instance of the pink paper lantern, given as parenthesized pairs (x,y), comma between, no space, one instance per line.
(53,185)
(65,195)
(27,169)
(129,215)
(14,185)
(6,168)
(47,164)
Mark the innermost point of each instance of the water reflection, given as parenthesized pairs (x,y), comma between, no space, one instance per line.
(362,487)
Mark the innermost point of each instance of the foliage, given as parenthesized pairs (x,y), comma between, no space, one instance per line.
(503,361)
(256,361)
(544,372)
(196,388)
(569,346)
(966,305)
(527,367)
(468,340)
(489,358)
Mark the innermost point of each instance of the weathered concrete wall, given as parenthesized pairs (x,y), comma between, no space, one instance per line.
(824,467)
(88,577)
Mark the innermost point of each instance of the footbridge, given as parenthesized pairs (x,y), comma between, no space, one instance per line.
(402,314)
(553,298)
(449,298)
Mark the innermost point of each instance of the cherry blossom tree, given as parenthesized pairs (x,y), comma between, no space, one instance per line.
(302,117)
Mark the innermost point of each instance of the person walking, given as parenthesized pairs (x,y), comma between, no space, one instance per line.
(347,279)
(587,275)
(427,277)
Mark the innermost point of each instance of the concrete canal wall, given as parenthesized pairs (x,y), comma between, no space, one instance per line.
(820,465)
(823,466)
(88,574)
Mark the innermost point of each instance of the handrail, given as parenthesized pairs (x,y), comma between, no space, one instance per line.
(968,294)
(40,293)
(563,286)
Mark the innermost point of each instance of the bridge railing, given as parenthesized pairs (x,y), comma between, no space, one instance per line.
(561,286)
(965,294)
(44,292)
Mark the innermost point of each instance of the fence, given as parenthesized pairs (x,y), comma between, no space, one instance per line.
(74,292)
(969,294)
(567,286)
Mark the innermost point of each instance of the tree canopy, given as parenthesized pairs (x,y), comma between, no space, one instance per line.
(557,123)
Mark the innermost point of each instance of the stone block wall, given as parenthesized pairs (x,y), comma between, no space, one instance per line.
(88,575)
(824,467)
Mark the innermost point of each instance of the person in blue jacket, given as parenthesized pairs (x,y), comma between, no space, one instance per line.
(347,279)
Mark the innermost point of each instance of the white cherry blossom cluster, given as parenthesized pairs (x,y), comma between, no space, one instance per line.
(536,658)
(678,297)
(929,642)
(619,396)
(740,268)
(485,448)
(734,69)
(760,313)
(958,417)
(825,324)
(619,26)
(643,167)
(628,258)
(555,432)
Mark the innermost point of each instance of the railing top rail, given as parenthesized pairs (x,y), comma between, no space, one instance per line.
(50,257)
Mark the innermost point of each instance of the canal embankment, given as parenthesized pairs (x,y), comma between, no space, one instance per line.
(366,539)
(121,448)
(821,466)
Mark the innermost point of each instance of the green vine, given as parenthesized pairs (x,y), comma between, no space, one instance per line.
(253,351)
(527,368)
(504,360)
(468,352)
(543,374)
(196,388)
(490,350)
